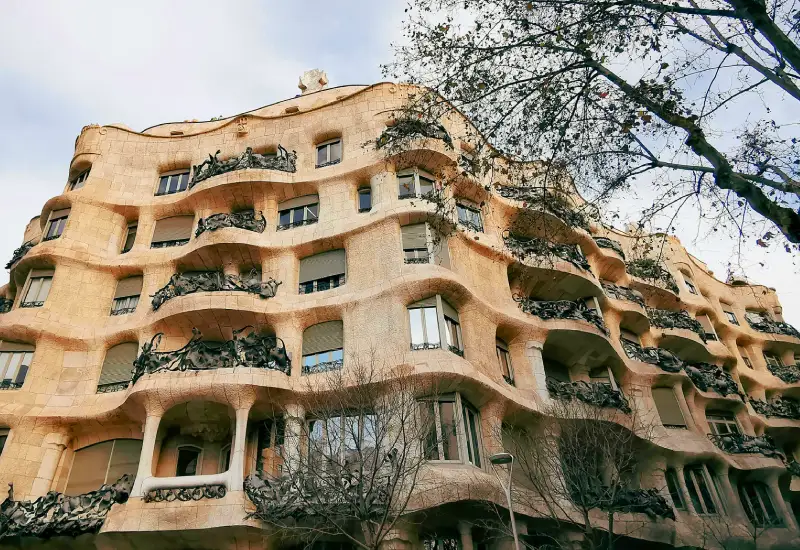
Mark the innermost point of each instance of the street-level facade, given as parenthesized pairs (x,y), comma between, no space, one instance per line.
(287,231)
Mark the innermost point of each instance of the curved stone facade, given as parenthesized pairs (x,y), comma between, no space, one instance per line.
(69,396)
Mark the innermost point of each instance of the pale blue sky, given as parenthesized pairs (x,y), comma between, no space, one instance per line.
(68,64)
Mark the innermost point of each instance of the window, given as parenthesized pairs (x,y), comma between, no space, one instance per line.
(225,458)
(668,408)
(472,430)
(424,321)
(722,422)
(731,316)
(699,492)
(470,217)
(174,231)
(78,181)
(435,542)
(130,238)
(415,243)
(271,435)
(329,153)
(55,227)
(708,328)
(174,182)
(3,439)
(674,488)
(414,184)
(365,199)
(690,285)
(452,329)
(756,316)
(452,426)
(15,360)
(773,360)
(103,463)
(298,211)
(188,461)
(322,271)
(127,296)
(323,347)
(504,359)
(39,284)
(758,505)
(117,367)
(745,357)
(628,336)
(347,440)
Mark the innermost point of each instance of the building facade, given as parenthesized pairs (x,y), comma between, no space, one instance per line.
(287,233)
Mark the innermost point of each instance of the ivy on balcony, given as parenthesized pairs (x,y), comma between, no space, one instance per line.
(664,318)
(283,160)
(397,136)
(659,357)
(762,324)
(561,309)
(782,407)
(652,272)
(623,293)
(57,514)
(249,220)
(19,253)
(598,394)
(181,284)
(522,248)
(747,444)
(545,200)
(605,242)
(244,350)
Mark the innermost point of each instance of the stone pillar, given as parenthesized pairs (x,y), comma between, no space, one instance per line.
(684,491)
(145,469)
(677,389)
(294,416)
(492,427)
(54,445)
(236,469)
(730,498)
(780,504)
(533,352)
(465,532)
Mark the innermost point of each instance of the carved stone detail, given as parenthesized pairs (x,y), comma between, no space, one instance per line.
(56,514)
(407,128)
(249,219)
(598,393)
(605,242)
(251,350)
(181,284)
(783,407)
(6,305)
(623,293)
(283,160)
(654,273)
(746,444)
(523,248)
(663,318)
(185,494)
(19,253)
(659,357)
(561,309)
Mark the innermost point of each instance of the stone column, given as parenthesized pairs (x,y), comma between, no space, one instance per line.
(54,445)
(780,504)
(533,352)
(684,491)
(294,416)
(729,497)
(465,532)
(492,427)
(677,389)
(145,469)
(236,469)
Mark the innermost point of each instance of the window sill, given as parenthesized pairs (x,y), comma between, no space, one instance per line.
(295,224)
(457,351)
(417,347)
(166,193)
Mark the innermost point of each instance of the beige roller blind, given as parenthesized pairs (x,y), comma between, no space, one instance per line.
(414,236)
(41,273)
(668,408)
(177,228)
(297,202)
(706,323)
(124,459)
(132,286)
(55,214)
(118,363)
(449,311)
(322,265)
(16,346)
(323,337)
(427,302)
(89,466)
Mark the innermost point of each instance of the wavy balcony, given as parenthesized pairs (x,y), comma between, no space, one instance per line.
(658,357)
(182,284)
(682,334)
(653,274)
(561,309)
(707,377)
(244,350)
(598,394)
(789,374)
(628,500)
(19,253)
(623,293)
(539,200)
(282,160)
(733,443)
(249,220)
(524,248)
(610,244)
(769,326)
(397,136)
(781,407)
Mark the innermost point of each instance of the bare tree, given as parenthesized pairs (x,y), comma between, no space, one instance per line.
(690,100)
(361,455)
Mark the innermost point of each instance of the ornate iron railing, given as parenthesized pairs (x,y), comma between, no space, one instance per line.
(10,385)
(747,444)
(249,220)
(169,244)
(561,309)
(623,293)
(788,373)
(299,223)
(283,160)
(32,304)
(654,273)
(523,248)
(417,260)
(324,366)
(123,311)
(642,501)
(455,349)
(115,387)
(181,284)
(425,345)
(773,327)
(783,407)
(545,200)
(56,514)
(659,357)
(250,350)
(598,393)
(19,253)
(709,377)
(185,494)
(663,318)
(408,128)
(605,242)
(6,305)
(794,468)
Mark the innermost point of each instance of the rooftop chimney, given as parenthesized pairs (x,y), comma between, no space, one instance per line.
(313,81)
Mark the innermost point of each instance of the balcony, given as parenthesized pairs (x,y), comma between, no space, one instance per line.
(707,377)
(396,138)
(182,284)
(56,514)
(561,309)
(523,248)
(653,273)
(249,220)
(611,244)
(547,201)
(782,407)
(623,293)
(790,374)
(659,357)
(665,319)
(642,501)
(746,444)
(185,494)
(598,394)
(252,350)
(19,253)
(283,160)
(762,324)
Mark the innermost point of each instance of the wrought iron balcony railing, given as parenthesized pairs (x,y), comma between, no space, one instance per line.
(782,407)
(6,305)
(409,128)
(794,468)
(561,309)
(654,273)
(663,318)
(181,284)
(523,248)
(599,394)
(249,220)
(788,373)
(283,160)
(185,494)
(709,377)
(623,293)
(169,244)
(324,366)
(545,200)
(623,499)
(115,387)
(298,223)
(32,304)
(747,444)
(659,357)
(773,327)
(19,253)
(244,350)
(605,242)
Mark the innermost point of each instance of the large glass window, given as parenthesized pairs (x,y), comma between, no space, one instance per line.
(15,360)
(668,408)
(329,152)
(173,183)
(470,217)
(708,328)
(323,347)
(365,199)
(347,440)
(415,243)
(78,181)
(322,271)
(731,316)
(424,326)
(38,290)
(674,487)
(174,231)
(298,211)
(58,221)
(772,360)
(722,422)
(453,334)
(696,479)
(103,463)
(758,504)
(117,368)
(453,430)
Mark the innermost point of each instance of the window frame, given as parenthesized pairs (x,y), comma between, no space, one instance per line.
(334,359)
(700,472)
(25,360)
(709,335)
(132,230)
(731,317)
(465,447)
(199,451)
(426,343)
(25,302)
(452,329)
(772,360)
(327,145)
(125,305)
(78,181)
(501,348)
(761,493)
(361,192)
(225,458)
(342,438)
(714,424)
(60,224)
(690,286)
(417,176)
(674,489)
(306,220)
(475,212)
(169,175)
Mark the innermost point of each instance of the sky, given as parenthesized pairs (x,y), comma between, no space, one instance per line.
(68,64)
